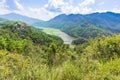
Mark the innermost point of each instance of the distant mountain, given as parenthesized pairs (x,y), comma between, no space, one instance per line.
(18,17)
(1,19)
(75,24)
(107,20)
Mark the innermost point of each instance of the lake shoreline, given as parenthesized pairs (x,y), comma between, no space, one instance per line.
(52,31)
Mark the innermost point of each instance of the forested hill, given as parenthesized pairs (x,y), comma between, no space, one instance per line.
(26,56)
(22,31)
(26,53)
(107,19)
(74,24)
(105,23)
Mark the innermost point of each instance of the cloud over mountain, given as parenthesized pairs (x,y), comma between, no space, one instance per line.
(46,9)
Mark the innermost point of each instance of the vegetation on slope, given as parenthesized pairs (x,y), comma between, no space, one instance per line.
(99,59)
(20,30)
(89,25)
(79,41)
(87,30)
(106,20)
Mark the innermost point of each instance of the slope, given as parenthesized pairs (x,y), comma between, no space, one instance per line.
(18,17)
(21,31)
(105,23)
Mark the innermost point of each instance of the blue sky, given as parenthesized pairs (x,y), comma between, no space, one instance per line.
(47,9)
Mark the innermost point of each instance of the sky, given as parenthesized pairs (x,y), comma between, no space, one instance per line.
(47,9)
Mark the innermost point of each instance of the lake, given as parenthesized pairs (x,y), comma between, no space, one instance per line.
(65,37)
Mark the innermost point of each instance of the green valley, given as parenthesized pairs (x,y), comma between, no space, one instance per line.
(65,37)
(59,39)
(27,53)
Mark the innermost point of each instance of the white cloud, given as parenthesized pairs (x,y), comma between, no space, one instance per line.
(42,13)
(101,4)
(19,6)
(56,3)
(67,7)
(54,8)
(84,6)
(86,3)
(39,13)
(116,10)
(60,6)
(3,7)
(70,9)
(100,10)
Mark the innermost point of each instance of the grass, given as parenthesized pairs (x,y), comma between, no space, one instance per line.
(52,31)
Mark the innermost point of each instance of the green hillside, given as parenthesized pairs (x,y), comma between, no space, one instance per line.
(20,30)
(86,30)
(19,35)
(29,54)
(88,25)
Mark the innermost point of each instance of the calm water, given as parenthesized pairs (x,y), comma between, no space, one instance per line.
(65,37)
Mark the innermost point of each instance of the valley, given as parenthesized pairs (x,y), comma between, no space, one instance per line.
(67,47)
(65,37)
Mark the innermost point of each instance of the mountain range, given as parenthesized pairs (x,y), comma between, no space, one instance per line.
(76,25)
(18,17)
(89,25)
(107,20)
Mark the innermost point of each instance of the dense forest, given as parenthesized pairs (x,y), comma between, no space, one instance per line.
(27,53)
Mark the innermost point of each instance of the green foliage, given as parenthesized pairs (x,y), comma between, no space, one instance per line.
(105,48)
(13,46)
(87,30)
(29,54)
(89,25)
(20,30)
(58,55)
(79,41)
(16,66)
